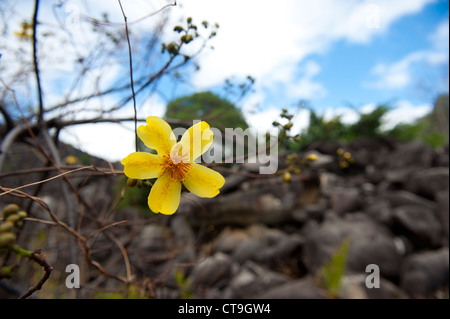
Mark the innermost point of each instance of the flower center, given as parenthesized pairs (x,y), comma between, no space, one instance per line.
(178,163)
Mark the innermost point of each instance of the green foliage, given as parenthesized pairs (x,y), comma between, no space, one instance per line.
(183,283)
(368,125)
(431,129)
(332,272)
(209,107)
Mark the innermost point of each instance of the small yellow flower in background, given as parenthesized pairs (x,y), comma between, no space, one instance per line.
(71,160)
(312,157)
(174,164)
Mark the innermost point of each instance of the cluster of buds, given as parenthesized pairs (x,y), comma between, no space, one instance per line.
(285,128)
(12,217)
(188,33)
(345,159)
(295,164)
(139,183)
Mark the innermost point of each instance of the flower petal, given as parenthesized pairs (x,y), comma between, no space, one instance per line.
(141,165)
(165,195)
(203,181)
(157,135)
(196,140)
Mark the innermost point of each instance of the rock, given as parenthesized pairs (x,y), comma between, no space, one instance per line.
(325,147)
(229,239)
(247,250)
(428,182)
(284,255)
(443,213)
(328,182)
(345,200)
(213,271)
(370,243)
(415,154)
(402,197)
(154,237)
(419,225)
(312,211)
(182,231)
(298,289)
(380,210)
(424,273)
(354,287)
(363,150)
(252,279)
(268,202)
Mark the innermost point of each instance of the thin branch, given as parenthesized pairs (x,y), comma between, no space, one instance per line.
(131,76)
(35,62)
(44,181)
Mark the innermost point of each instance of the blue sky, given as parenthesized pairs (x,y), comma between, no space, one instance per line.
(333,53)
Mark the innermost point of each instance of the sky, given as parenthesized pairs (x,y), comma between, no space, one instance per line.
(343,57)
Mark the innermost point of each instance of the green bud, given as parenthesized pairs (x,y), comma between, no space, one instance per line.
(139,183)
(22,214)
(178,29)
(288,126)
(187,38)
(172,48)
(7,239)
(10,209)
(131,182)
(189,20)
(13,218)
(205,24)
(275,123)
(6,227)
(6,272)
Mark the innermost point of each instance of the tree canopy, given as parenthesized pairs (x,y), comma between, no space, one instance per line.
(207,106)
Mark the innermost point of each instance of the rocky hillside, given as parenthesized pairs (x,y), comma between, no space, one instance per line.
(268,238)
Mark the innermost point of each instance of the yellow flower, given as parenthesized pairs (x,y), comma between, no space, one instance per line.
(174,164)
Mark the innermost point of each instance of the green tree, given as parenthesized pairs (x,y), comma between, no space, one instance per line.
(209,107)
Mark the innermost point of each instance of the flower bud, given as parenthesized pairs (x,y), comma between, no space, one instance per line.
(10,209)
(287,177)
(178,29)
(6,227)
(312,157)
(7,239)
(131,182)
(6,272)
(13,218)
(22,214)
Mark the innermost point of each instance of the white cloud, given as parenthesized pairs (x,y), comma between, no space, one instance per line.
(262,37)
(405,112)
(399,74)
(440,38)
